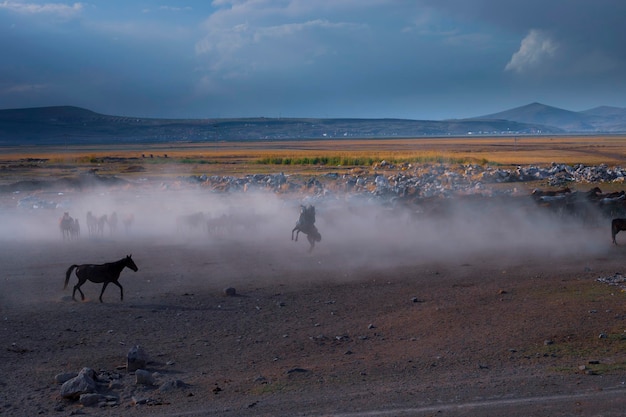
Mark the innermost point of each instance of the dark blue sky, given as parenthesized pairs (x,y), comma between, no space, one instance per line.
(416,59)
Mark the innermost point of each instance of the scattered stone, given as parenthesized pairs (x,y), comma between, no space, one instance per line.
(115,385)
(297,371)
(602,335)
(64,377)
(18,349)
(83,383)
(136,359)
(617,280)
(139,401)
(371,326)
(143,377)
(260,379)
(548,342)
(230,292)
(90,400)
(173,385)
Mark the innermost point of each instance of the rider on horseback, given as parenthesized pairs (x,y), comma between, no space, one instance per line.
(307,216)
(306,225)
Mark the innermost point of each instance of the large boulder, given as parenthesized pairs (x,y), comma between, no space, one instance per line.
(83,383)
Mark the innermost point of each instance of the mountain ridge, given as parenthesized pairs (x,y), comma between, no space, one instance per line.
(70,124)
(604,119)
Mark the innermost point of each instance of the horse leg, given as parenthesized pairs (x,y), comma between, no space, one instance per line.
(77,287)
(295,229)
(121,289)
(104,286)
(311,240)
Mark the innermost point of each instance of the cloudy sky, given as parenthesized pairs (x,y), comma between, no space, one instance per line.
(416,59)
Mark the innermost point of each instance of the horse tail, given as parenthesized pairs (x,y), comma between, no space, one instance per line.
(67,275)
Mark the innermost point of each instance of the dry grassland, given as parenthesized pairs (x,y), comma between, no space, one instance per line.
(307,157)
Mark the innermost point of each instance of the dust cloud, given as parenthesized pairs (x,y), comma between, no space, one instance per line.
(185,238)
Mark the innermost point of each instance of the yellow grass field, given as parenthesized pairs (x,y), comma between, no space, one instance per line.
(308,157)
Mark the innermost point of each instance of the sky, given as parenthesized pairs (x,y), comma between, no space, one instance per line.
(411,59)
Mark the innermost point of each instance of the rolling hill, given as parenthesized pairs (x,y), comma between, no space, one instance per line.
(602,119)
(74,125)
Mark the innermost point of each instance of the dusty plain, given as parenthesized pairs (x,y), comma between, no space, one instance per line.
(485,309)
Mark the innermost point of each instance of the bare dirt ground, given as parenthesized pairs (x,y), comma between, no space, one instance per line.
(486,311)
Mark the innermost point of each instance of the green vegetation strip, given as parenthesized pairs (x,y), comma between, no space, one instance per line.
(365,161)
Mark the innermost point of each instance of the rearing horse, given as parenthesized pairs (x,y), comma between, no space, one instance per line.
(105,273)
(306,225)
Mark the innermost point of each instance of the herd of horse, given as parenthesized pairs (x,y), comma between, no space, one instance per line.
(70,227)
(110,272)
(585,204)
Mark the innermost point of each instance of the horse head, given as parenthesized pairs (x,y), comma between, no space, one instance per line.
(130,263)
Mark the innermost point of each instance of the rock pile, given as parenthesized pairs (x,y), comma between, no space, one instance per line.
(386,182)
(423,180)
(110,389)
(617,280)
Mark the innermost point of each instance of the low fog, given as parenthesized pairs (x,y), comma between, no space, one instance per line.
(239,238)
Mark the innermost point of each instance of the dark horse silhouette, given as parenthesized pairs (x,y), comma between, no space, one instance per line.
(617,225)
(66,224)
(306,225)
(105,273)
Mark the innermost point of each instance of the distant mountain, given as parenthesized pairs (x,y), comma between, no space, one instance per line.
(606,111)
(73,125)
(602,119)
(613,119)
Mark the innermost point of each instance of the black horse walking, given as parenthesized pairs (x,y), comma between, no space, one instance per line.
(105,273)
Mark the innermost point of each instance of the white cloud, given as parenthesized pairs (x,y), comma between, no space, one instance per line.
(175,9)
(290,29)
(23,88)
(536,50)
(246,39)
(59,9)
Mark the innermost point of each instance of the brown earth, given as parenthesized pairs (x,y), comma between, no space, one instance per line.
(443,317)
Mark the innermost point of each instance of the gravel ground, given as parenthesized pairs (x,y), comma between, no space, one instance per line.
(490,311)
